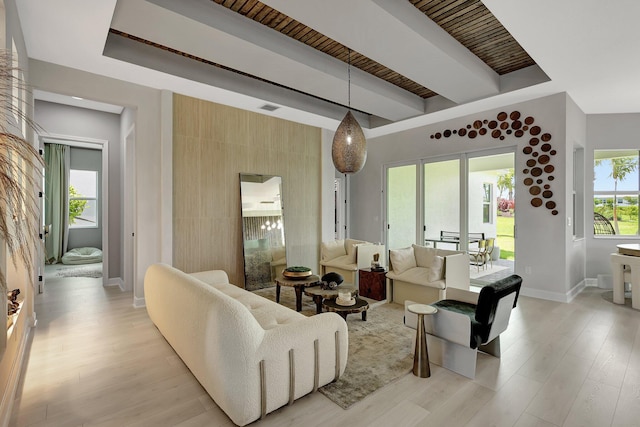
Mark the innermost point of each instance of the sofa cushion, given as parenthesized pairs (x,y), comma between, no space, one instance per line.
(341,262)
(424,256)
(351,246)
(333,249)
(436,269)
(402,259)
(417,276)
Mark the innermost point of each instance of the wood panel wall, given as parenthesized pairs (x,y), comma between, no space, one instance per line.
(212,145)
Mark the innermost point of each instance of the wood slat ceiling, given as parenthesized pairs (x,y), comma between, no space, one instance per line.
(468,21)
(288,26)
(475,27)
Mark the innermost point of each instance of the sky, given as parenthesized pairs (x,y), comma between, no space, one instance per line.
(603,181)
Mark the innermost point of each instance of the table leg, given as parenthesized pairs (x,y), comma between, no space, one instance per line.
(318,300)
(364,315)
(421,356)
(277,292)
(298,298)
(618,283)
(344,315)
(635,287)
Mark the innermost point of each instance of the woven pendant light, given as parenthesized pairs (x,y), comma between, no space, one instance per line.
(349,148)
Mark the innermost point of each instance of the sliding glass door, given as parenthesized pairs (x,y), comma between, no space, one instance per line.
(441,205)
(401,203)
(491,213)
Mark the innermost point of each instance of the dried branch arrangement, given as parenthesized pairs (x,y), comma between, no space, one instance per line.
(20,172)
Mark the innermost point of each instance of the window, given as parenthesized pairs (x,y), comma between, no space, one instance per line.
(616,187)
(486,202)
(83,199)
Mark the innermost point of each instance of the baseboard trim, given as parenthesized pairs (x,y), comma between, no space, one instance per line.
(554,296)
(537,293)
(9,394)
(116,281)
(591,282)
(139,302)
(573,292)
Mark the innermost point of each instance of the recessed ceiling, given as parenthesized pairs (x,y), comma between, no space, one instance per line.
(425,57)
(444,58)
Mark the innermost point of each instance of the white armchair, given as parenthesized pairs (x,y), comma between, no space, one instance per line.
(346,256)
(467,322)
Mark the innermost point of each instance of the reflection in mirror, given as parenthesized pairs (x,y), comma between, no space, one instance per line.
(262,229)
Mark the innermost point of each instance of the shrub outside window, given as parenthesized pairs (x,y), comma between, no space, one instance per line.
(616,189)
(83,199)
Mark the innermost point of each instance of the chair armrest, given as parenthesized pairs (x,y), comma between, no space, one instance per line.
(445,324)
(462,295)
(457,271)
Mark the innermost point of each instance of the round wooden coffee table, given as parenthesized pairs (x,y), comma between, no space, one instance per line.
(297,284)
(319,295)
(361,306)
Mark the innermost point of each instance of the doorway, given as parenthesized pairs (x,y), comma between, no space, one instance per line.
(76,214)
(491,213)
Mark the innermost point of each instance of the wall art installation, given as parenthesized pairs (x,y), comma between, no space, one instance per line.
(538,174)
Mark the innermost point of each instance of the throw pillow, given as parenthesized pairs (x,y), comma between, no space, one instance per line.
(351,246)
(424,255)
(436,269)
(333,249)
(402,259)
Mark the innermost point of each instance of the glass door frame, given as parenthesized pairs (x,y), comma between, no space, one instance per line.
(464,189)
(385,203)
(511,149)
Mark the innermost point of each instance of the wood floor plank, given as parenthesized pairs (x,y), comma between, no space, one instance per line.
(595,405)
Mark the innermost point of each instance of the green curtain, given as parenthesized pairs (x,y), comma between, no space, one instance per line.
(56,205)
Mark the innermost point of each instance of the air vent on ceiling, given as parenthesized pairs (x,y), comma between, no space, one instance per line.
(269,107)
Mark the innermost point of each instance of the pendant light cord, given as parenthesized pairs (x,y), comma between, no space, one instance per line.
(349,77)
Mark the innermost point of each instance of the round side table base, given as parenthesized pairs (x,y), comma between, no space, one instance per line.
(421,355)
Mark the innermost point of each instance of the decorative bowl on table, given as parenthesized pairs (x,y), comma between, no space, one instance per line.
(297,272)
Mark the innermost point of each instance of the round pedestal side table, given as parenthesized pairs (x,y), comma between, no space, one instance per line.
(421,355)
(320,295)
(297,284)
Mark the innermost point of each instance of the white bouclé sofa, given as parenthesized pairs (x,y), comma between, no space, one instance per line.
(251,354)
(423,274)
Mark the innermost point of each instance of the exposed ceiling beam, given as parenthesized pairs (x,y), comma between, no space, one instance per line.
(214,33)
(393,34)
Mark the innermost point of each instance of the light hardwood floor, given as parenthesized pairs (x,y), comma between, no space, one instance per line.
(96,361)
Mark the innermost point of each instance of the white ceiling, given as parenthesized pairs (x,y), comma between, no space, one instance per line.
(587,48)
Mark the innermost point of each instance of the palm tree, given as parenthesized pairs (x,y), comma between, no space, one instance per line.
(620,168)
(506,181)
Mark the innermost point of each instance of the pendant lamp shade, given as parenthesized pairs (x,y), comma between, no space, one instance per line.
(349,149)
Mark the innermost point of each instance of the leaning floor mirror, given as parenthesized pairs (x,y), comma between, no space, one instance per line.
(262,229)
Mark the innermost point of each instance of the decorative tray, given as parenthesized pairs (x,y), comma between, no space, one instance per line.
(346,303)
(297,272)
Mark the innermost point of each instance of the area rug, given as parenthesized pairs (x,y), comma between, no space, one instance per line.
(380,349)
(93,270)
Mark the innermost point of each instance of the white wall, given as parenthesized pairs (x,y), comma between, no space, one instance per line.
(576,248)
(146,102)
(540,246)
(605,131)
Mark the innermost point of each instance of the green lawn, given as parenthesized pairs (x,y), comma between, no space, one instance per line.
(504,238)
